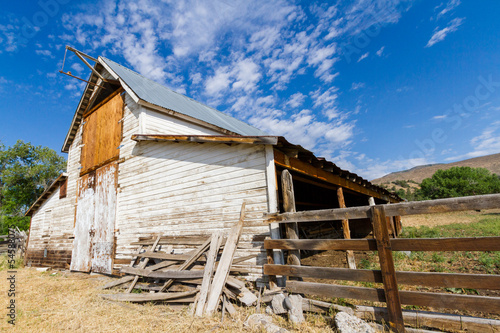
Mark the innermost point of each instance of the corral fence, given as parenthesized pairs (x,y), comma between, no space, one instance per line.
(384,245)
(15,240)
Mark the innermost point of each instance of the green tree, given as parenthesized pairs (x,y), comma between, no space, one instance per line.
(458,182)
(25,172)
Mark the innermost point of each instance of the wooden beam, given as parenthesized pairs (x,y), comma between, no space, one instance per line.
(478,202)
(167,274)
(484,304)
(264,140)
(345,229)
(388,271)
(425,279)
(305,168)
(225,263)
(398,244)
(149,297)
(208,272)
(197,253)
(142,265)
(292,229)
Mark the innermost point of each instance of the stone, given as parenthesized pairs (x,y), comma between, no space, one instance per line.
(278,304)
(263,322)
(347,323)
(294,306)
(43,269)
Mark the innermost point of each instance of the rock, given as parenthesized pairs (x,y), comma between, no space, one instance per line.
(263,322)
(43,269)
(294,306)
(278,304)
(347,323)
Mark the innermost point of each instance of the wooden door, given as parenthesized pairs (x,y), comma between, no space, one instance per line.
(104,219)
(95,221)
(80,257)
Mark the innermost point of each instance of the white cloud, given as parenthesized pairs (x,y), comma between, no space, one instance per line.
(77,67)
(357,85)
(439,117)
(440,35)
(450,6)
(364,56)
(46,53)
(296,100)
(488,142)
(380,51)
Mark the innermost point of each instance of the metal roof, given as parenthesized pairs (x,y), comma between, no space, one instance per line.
(157,94)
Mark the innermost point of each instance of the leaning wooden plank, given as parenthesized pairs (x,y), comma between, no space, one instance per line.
(195,256)
(245,258)
(436,300)
(148,297)
(208,273)
(427,279)
(225,263)
(142,265)
(167,274)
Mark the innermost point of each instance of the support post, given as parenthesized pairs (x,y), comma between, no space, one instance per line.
(387,269)
(292,230)
(345,228)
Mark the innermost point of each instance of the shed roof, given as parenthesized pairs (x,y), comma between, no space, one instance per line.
(157,94)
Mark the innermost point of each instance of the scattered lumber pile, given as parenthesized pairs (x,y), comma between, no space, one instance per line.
(200,277)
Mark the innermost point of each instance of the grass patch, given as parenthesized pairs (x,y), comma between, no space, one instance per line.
(460,262)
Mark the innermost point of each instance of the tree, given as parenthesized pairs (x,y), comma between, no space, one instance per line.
(25,172)
(460,181)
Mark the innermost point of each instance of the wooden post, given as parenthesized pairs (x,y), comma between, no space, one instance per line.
(292,231)
(387,269)
(345,228)
(273,282)
(398,224)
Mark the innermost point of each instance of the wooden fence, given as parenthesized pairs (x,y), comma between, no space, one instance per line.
(385,245)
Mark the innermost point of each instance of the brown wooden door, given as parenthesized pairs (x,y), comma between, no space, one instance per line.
(95,221)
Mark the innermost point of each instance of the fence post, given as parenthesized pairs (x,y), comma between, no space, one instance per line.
(345,228)
(381,233)
(292,230)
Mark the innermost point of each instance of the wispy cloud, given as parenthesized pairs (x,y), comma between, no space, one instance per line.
(357,85)
(364,56)
(488,142)
(380,51)
(450,6)
(440,35)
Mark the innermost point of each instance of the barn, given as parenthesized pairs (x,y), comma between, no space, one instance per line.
(144,160)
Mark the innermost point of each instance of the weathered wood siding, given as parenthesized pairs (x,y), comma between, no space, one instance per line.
(52,224)
(187,188)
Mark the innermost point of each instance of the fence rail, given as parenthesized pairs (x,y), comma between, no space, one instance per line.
(384,245)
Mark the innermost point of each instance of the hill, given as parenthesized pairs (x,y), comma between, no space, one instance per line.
(419,173)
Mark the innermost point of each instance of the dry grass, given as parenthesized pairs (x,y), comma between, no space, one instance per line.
(433,220)
(56,301)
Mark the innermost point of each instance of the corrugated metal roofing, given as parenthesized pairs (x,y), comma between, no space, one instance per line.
(162,96)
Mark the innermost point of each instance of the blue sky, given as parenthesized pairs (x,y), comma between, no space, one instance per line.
(375,86)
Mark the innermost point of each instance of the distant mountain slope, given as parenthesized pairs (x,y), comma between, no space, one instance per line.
(419,173)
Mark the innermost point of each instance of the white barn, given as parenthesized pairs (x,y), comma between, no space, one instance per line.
(144,160)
